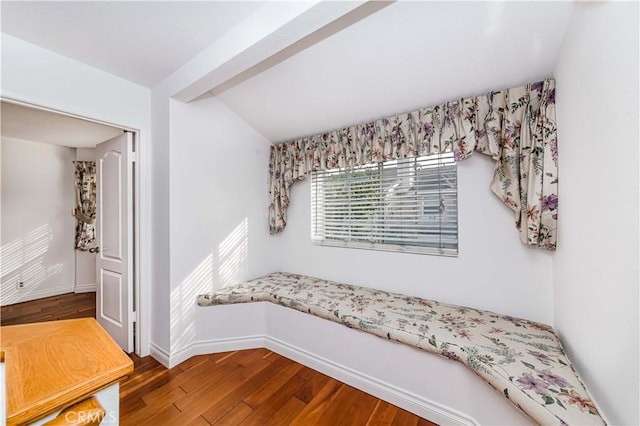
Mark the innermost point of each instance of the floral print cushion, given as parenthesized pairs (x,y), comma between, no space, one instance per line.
(523,360)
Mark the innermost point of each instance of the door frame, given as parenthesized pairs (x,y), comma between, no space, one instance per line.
(141,270)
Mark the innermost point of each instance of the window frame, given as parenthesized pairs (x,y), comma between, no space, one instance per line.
(318,236)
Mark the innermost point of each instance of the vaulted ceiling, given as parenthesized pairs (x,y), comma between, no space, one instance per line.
(400,57)
(141,41)
(405,56)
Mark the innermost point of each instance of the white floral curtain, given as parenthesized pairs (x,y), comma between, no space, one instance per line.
(85,210)
(515,127)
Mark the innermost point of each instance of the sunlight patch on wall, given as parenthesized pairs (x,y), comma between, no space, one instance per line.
(17,253)
(22,261)
(221,268)
(183,302)
(232,255)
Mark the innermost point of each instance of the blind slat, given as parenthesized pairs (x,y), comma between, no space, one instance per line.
(404,205)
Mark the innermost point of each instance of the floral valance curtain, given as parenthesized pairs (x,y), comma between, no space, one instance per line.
(515,127)
(85,210)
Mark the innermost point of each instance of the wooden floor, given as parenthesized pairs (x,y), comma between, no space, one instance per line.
(252,387)
(64,306)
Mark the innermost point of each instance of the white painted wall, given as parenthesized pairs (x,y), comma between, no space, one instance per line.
(85,261)
(595,269)
(70,86)
(219,232)
(37,227)
(86,154)
(41,77)
(264,34)
(160,250)
(493,271)
(85,270)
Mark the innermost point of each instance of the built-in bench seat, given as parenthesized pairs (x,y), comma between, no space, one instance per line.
(523,360)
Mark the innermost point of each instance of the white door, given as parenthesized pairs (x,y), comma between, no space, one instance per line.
(114,233)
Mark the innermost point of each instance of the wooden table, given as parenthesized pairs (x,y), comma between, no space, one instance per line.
(52,365)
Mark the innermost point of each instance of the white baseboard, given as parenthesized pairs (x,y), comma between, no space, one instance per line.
(10,298)
(215,346)
(410,401)
(85,288)
(159,354)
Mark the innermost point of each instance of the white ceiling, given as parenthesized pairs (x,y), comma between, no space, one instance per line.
(405,56)
(143,42)
(37,125)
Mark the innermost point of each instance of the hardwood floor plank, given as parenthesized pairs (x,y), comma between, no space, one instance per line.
(163,396)
(314,409)
(131,405)
(264,392)
(383,414)
(205,374)
(140,380)
(404,418)
(260,377)
(72,315)
(425,422)
(62,306)
(203,398)
(263,413)
(177,377)
(224,357)
(245,358)
(236,415)
(194,361)
(165,385)
(256,367)
(254,356)
(199,421)
(315,382)
(287,412)
(251,387)
(351,407)
(272,356)
(168,416)
(186,390)
(307,373)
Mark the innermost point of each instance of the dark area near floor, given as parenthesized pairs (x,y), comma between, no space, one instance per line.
(63,306)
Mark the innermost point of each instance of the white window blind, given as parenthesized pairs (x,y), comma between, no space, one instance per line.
(406,205)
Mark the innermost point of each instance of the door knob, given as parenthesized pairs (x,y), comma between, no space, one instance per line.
(94,250)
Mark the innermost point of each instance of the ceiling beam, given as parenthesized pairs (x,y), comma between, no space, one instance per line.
(273,33)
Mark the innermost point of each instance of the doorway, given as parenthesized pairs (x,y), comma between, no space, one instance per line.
(40,260)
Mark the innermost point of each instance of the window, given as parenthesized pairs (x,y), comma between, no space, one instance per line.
(401,205)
